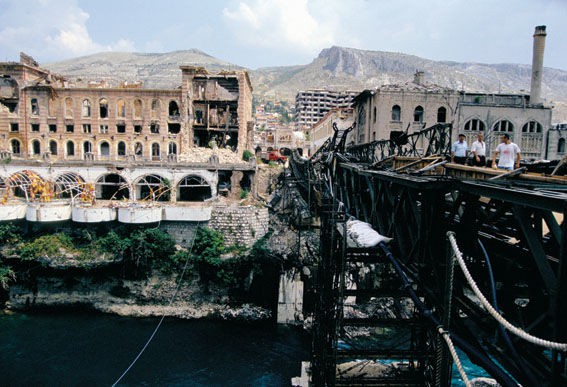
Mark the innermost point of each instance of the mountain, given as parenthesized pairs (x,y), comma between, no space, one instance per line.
(334,68)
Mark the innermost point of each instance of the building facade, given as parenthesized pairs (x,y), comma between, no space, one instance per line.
(342,117)
(312,105)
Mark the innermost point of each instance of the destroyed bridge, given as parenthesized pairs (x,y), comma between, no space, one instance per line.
(476,267)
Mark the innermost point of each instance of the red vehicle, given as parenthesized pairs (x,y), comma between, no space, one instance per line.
(274,155)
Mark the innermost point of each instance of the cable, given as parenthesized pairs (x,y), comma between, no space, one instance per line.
(454,355)
(180,281)
(497,316)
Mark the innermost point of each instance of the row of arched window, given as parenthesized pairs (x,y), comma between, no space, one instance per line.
(103,148)
(103,108)
(418,114)
(503,126)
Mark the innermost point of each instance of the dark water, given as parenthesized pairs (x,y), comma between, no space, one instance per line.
(69,349)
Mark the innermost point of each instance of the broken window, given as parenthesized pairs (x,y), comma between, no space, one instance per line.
(374,111)
(173,109)
(120,128)
(86,128)
(70,128)
(396,113)
(193,188)
(68,107)
(560,146)
(155,151)
(70,148)
(104,149)
(173,128)
(15,145)
(172,148)
(532,127)
(35,127)
(52,128)
(103,108)
(36,147)
(103,129)
(87,147)
(14,127)
(503,126)
(199,117)
(154,128)
(121,148)
(475,124)
(121,108)
(53,147)
(68,185)
(152,187)
(137,128)
(138,149)
(34,107)
(112,187)
(442,114)
(418,114)
(86,108)
(137,108)
(156,107)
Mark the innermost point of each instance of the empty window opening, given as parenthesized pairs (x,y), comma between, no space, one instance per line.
(103,108)
(86,108)
(52,128)
(154,188)
(34,107)
(103,129)
(87,147)
(69,185)
(68,108)
(418,114)
(442,114)
(70,148)
(121,108)
(53,147)
(35,127)
(374,113)
(156,107)
(503,126)
(112,187)
(560,146)
(87,128)
(70,128)
(172,148)
(396,113)
(138,149)
(246,182)
(155,151)
(224,184)
(532,127)
(14,127)
(199,117)
(137,128)
(120,128)
(475,124)
(36,147)
(15,146)
(173,128)
(137,108)
(121,150)
(193,189)
(154,128)
(173,109)
(104,149)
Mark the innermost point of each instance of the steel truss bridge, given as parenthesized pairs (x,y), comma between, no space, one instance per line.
(513,240)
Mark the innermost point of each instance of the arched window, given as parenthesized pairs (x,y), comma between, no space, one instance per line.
(156,106)
(104,149)
(396,113)
(68,107)
(36,147)
(121,108)
(103,108)
(34,107)
(532,127)
(442,114)
(15,145)
(155,151)
(172,148)
(86,108)
(70,148)
(173,109)
(503,126)
(137,108)
(121,148)
(418,114)
(561,145)
(53,147)
(87,147)
(475,124)
(138,149)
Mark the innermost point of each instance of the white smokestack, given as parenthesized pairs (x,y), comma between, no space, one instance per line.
(537,65)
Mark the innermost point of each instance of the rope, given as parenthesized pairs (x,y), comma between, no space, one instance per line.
(497,316)
(445,335)
(180,281)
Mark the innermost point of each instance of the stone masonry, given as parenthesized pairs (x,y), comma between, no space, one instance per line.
(240,225)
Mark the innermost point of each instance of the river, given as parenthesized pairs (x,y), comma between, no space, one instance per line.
(76,348)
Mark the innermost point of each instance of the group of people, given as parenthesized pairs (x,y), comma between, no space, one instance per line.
(508,152)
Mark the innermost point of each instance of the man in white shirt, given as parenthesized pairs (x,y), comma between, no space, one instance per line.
(459,150)
(509,154)
(478,149)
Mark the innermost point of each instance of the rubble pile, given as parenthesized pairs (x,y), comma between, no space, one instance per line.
(202,155)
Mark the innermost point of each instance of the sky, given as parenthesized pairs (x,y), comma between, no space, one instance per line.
(261,33)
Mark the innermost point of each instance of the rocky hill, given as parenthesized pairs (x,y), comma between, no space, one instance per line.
(335,68)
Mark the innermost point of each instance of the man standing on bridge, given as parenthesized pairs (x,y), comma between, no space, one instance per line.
(508,153)
(478,149)
(459,150)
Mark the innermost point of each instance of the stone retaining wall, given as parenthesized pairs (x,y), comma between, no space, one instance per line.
(240,225)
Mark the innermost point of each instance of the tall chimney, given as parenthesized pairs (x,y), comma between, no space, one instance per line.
(537,65)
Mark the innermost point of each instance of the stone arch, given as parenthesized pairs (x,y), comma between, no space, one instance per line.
(475,124)
(35,147)
(172,148)
(418,114)
(53,147)
(87,147)
(70,148)
(193,188)
(103,108)
(15,146)
(69,185)
(104,148)
(442,114)
(121,148)
(153,188)
(86,108)
(173,109)
(112,186)
(396,113)
(138,149)
(503,125)
(21,183)
(532,126)
(120,108)
(156,151)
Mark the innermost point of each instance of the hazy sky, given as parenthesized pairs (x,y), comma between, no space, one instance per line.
(258,33)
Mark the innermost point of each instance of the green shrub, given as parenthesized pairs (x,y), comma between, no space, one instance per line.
(8,234)
(45,245)
(244,193)
(6,275)
(246,155)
